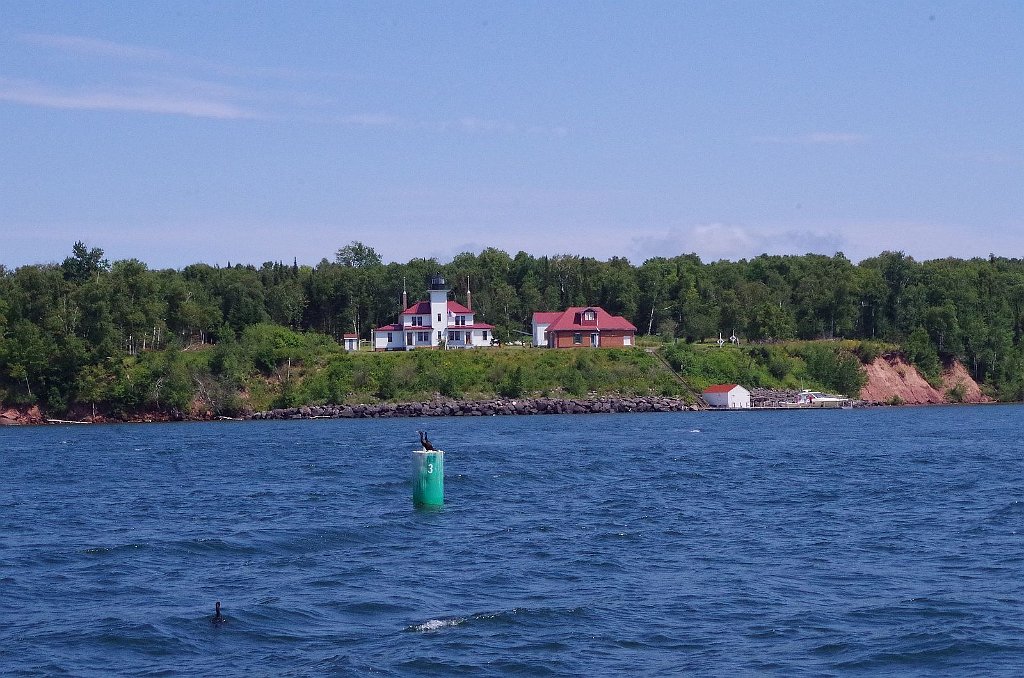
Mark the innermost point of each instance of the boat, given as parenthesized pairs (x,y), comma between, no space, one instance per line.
(808,399)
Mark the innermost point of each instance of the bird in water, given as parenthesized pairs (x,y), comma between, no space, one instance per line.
(218,618)
(424,441)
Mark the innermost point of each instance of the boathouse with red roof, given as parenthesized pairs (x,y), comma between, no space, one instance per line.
(731,396)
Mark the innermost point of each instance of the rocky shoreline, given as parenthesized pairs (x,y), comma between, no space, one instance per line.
(437,407)
(23,416)
(482,408)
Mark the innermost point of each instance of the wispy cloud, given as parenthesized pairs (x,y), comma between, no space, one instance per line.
(716,241)
(84,46)
(141,100)
(856,239)
(467,125)
(475,125)
(815,138)
(164,82)
(91,46)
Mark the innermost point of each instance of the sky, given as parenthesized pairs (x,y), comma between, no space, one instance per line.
(244,131)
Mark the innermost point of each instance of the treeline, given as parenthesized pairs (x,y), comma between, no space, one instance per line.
(70,331)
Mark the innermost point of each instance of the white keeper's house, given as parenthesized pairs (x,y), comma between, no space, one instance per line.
(434,323)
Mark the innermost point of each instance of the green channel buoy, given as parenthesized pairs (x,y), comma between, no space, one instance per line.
(428,477)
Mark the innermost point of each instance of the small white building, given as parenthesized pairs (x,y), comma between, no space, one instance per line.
(732,396)
(541,321)
(351,342)
(434,323)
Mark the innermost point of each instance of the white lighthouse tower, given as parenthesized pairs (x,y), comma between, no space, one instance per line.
(438,309)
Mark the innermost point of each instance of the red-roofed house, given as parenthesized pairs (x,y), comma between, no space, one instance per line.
(582,326)
(427,324)
(727,395)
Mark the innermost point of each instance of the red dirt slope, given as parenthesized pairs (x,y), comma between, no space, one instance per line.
(890,377)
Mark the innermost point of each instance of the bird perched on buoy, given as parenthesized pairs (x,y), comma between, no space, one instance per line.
(218,618)
(424,441)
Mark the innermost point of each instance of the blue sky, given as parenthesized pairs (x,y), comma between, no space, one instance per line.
(184,132)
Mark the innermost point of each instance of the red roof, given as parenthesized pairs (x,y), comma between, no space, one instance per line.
(542,317)
(569,320)
(720,388)
(418,308)
(393,327)
(350,335)
(423,308)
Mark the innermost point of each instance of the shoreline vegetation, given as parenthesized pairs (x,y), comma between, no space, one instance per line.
(87,340)
(523,381)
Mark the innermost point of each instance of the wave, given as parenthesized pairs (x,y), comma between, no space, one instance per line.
(515,615)
(436,624)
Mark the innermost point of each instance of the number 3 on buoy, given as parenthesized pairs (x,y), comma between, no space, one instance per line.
(428,478)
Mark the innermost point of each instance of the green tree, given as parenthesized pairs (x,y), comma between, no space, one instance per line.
(26,354)
(84,263)
(357,255)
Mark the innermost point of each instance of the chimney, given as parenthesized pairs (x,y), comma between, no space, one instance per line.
(469,295)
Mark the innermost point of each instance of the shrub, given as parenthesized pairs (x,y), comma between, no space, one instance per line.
(383,379)
(868,351)
(511,385)
(835,369)
(575,383)
(923,355)
(957,394)
(779,364)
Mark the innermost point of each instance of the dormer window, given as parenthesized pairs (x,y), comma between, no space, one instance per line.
(589,314)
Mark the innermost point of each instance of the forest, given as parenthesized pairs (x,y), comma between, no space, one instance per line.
(120,336)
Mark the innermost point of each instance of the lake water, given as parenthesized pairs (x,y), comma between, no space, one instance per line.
(885,541)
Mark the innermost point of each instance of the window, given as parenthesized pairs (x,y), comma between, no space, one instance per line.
(460,320)
(438,317)
(389,337)
(485,335)
(423,337)
(417,320)
(577,338)
(589,315)
(455,336)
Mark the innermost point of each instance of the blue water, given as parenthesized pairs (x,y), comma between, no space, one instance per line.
(886,541)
